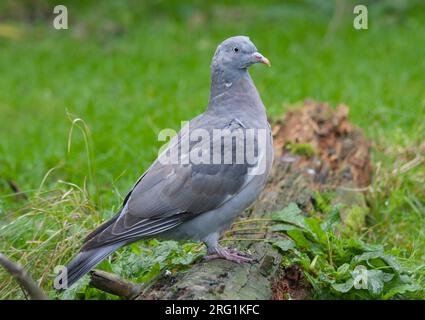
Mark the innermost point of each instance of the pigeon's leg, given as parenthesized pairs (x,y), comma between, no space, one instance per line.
(215,251)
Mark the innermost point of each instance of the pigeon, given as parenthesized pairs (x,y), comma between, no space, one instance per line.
(197,186)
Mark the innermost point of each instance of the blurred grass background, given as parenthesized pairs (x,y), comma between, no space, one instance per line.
(128,69)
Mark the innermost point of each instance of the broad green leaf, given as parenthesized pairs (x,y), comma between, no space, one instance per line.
(390,260)
(358,245)
(402,288)
(376,280)
(343,269)
(313,225)
(343,287)
(291,214)
(299,238)
(284,245)
(78,287)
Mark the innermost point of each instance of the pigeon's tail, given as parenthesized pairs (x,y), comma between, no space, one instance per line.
(87,260)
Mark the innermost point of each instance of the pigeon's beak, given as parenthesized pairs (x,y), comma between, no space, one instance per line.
(258,57)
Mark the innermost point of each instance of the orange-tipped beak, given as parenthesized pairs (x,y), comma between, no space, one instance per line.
(261,59)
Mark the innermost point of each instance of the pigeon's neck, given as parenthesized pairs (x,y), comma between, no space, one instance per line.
(233,86)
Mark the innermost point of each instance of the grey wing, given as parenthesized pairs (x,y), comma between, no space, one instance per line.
(168,194)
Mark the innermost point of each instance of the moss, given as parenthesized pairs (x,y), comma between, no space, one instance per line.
(355,218)
(302,149)
(323,201)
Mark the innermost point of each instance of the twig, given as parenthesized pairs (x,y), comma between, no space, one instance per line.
(18,193)
(249,230)
(252,220)
(111,283)
(410,165)
(333,186)
(24,279)
(245,239)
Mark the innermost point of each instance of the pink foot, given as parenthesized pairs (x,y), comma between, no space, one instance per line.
(229,254)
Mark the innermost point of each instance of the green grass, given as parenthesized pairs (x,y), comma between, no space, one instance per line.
(129,70)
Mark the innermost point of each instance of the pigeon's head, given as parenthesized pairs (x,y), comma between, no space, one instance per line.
(237,53)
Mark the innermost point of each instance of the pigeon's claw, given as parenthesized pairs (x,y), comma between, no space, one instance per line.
(228,254)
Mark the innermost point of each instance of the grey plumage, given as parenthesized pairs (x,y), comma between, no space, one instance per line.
(196,200)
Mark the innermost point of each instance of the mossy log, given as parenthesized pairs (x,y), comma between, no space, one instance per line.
(316,149)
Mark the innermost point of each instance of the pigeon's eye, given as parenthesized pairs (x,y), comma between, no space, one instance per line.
(235,49)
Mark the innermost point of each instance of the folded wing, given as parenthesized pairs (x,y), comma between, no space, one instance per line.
(170,193)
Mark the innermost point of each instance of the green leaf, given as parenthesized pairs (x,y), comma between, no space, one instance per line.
(371,280)
(376,280)
(77,288)
(291,214)
(402,288)
(284,245)
(388,259)
(185,259)
(299,238)
(356,245)
(333,218)
(135,248)
(343,287)
(343,269)
(313,225)
(153,272)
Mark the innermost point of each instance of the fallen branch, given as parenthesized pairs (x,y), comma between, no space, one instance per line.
(24,279)
(111,283)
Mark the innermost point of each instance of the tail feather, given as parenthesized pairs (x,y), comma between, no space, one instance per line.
(102,227)
(87,260)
